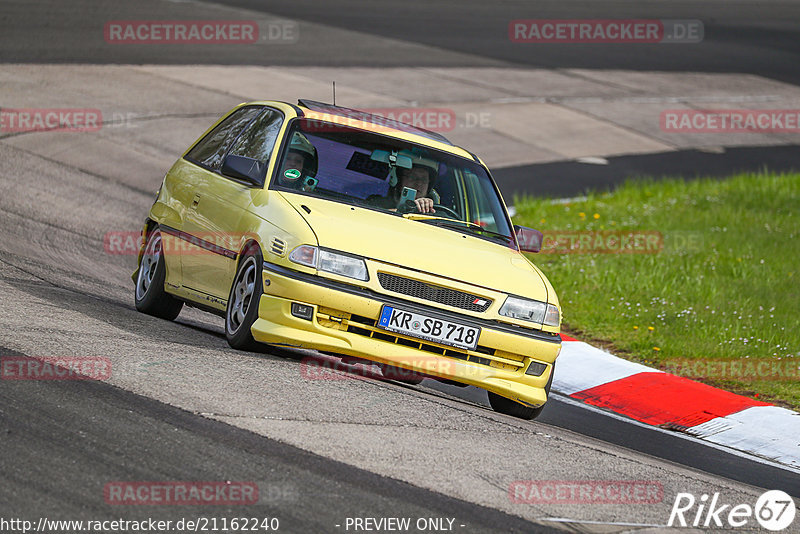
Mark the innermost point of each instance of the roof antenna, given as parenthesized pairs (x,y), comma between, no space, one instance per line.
(334,93)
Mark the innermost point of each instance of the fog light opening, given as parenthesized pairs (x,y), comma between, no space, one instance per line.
(303,311)
(536,369)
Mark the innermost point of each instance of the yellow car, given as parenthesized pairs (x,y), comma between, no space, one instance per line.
(322,227)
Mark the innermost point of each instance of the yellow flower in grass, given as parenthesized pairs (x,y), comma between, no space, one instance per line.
(596,215)
(541,221)
(582,215)
(656,349)
(651,328)
(635,327)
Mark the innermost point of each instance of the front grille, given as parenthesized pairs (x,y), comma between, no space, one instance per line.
(441,295)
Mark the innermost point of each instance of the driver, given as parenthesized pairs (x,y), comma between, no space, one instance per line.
(420,178)
(299,162)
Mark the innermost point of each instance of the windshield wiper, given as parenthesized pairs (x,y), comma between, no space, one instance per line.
(426,217)
(474,228)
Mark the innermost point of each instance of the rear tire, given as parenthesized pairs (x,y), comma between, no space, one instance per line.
(506,406)
(243,300)
(149,294)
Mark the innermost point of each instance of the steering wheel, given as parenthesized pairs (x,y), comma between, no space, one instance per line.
(448,211)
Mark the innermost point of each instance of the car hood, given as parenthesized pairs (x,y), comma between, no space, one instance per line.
(420,246)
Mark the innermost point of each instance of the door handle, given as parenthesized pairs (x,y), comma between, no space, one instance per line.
(195,201)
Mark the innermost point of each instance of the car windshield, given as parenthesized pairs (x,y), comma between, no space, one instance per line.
(353,166)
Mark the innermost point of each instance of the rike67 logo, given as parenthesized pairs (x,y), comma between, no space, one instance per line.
(774,510)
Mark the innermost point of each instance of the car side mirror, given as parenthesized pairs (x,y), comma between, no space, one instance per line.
(244,168)
(529,240)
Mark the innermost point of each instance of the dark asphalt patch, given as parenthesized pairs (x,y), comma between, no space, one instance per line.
(572,178)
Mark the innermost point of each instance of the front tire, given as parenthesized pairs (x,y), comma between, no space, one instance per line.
(506,406)
(150,295)
(242,310)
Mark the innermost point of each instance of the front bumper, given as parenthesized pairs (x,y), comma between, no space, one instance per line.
(344,319)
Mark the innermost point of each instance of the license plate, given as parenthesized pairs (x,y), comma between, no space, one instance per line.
(429,328)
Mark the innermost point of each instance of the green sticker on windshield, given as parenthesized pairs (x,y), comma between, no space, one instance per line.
(292,174)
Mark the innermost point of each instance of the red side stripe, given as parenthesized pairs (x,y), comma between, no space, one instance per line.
(565,337)
(662,398)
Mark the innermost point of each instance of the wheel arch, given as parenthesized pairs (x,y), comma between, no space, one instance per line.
(251,243)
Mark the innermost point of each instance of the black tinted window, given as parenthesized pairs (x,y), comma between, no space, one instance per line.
(212,147)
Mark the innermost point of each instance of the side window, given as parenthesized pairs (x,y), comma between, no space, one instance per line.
(210,150)
(258,140)
(482,212)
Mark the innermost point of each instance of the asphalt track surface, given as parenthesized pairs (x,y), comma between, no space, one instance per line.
(749,36)
(203,418)
(63,455)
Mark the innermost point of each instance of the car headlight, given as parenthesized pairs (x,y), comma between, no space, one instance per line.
(336,263)
(330,262)
(530,310)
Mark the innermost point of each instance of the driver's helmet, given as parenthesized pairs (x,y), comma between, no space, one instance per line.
(431,166)
(301,144)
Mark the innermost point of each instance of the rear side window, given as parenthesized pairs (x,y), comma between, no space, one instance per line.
(211,149)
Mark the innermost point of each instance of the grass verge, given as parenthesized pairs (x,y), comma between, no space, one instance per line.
(715,296)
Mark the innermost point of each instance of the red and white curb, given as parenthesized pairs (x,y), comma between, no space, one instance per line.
(596,377)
